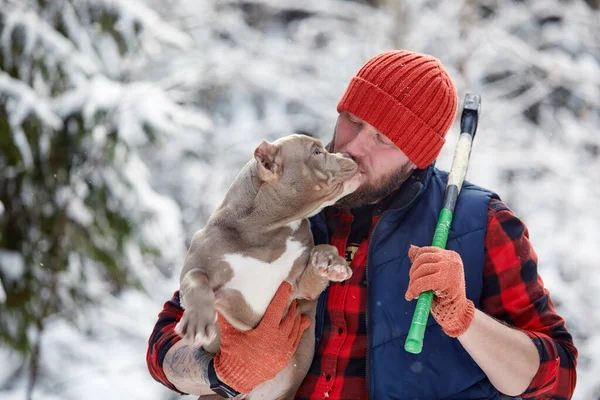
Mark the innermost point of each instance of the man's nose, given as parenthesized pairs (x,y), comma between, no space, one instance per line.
(360,144)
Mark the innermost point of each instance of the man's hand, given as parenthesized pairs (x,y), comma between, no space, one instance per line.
(442,272)
(247,359)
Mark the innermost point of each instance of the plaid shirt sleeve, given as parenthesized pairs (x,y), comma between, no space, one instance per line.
(163,337)
(513,292)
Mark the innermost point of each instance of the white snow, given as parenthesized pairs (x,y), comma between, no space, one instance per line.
(203,83)
(23,101)
(12,264)
(2,293)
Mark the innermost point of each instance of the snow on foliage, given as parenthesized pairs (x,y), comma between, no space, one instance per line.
(129,120)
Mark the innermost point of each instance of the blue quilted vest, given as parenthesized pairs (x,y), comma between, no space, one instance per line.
(443,370)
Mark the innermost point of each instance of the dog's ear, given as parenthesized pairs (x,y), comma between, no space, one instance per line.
(268,161)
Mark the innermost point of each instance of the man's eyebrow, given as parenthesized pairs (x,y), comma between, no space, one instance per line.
(385,138)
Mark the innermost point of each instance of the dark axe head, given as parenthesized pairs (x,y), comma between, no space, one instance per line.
(470,114)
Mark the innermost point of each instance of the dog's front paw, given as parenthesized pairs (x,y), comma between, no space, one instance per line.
(198,325)
(328,264)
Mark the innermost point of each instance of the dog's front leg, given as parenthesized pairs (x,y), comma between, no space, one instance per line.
(198,323)
(324,265)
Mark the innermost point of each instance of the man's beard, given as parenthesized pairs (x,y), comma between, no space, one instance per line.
(370,193)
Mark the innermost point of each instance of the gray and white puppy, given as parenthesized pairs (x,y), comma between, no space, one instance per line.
(259,237)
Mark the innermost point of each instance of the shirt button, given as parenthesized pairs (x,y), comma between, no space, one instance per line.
(328,378)
(340,331)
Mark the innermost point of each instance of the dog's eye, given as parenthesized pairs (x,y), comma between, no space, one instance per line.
(316,151)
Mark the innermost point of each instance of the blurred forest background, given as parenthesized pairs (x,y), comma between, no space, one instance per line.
(122,123)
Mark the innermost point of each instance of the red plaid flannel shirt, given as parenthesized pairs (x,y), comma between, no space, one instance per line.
(163,337)
(339,370)
(513,292)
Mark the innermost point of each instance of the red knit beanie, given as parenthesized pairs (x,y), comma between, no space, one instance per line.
(408,97)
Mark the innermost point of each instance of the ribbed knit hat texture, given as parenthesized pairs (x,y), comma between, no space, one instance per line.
(407,96)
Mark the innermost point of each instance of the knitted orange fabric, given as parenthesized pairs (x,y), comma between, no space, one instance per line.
(407,96)
(247,359)
(442,271)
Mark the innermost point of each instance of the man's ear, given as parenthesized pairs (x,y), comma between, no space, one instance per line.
(268,161)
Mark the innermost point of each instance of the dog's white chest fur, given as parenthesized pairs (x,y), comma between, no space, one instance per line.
(258,280)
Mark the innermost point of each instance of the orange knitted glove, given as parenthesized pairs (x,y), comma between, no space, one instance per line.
(442,271)
(248,358)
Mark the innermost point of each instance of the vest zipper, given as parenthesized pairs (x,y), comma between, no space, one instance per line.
(382,214)
(369,394)
(320,315)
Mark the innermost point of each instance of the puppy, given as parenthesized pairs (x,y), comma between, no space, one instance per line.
(260,236)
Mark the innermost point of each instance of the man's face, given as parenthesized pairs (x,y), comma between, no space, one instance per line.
(382,164)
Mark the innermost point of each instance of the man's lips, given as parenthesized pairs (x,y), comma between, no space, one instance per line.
(359,171)
(357,176)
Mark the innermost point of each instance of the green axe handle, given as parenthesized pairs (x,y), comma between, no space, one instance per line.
(458,171)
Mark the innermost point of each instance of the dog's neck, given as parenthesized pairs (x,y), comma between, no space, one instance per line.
(249,203)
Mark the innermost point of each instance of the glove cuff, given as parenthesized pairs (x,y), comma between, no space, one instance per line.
(459,325)
(237,375)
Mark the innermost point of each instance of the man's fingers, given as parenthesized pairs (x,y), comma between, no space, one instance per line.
(304,324)
(287,323)
(426,258)
(412,252)
(421,270)
(274,312)
(415,252)
(296,328)
(418,286)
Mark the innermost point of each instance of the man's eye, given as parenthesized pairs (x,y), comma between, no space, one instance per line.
(383,140)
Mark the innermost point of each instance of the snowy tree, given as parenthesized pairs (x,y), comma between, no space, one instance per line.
(77,215)
(248,70)
(261,70)
(265,68)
